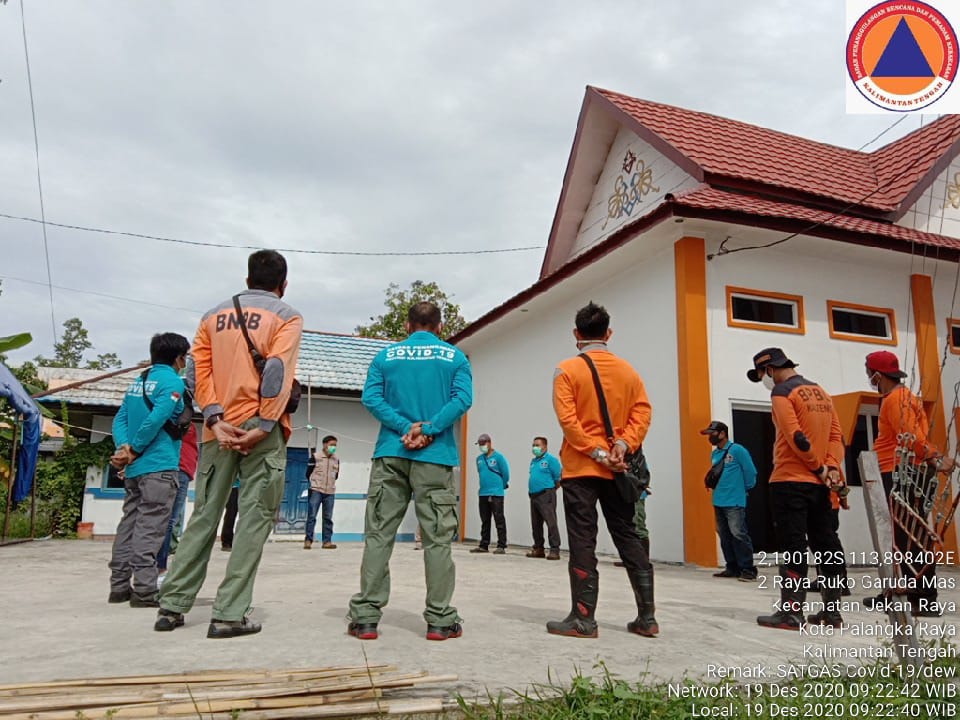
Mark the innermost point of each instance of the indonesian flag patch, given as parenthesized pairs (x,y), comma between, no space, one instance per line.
(174,396)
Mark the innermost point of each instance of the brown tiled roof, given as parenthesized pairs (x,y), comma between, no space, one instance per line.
(723,149)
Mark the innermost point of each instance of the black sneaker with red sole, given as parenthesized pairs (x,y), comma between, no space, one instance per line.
(833,619)
(363,631)
(780,621)
(438,632)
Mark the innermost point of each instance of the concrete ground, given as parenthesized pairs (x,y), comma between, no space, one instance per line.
(57,623)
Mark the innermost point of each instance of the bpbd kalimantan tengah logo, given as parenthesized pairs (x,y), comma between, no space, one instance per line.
(902,56)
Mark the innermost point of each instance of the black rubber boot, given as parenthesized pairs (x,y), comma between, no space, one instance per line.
(830,615)
(790,614)
(584,588)
(646,623)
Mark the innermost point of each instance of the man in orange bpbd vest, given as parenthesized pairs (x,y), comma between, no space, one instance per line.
(902,412)
(807,456)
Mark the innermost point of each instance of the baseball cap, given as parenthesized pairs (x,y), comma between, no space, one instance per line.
(483,439)
(885,363)
(715,427)
(769,356)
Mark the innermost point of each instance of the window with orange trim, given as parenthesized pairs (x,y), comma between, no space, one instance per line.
(953,337)
(861,323)
(764,310)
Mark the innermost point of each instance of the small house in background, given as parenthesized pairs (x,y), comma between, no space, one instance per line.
(709,239)
(332,369)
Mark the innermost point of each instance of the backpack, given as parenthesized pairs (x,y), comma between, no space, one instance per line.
(176,427)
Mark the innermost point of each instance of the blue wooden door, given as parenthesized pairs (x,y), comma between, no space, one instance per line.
(292,515)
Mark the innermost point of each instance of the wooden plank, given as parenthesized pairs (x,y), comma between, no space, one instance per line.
(134,705)
(135,696)
(198,676)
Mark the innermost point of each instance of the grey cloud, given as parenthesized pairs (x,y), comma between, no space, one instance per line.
(360,125)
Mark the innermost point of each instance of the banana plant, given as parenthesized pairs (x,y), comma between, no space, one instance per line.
(12,342)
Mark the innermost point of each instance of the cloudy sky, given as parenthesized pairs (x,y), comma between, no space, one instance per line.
(321,125)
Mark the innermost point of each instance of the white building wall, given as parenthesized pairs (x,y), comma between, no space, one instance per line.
(513,362)
(639,192)
(356,431)
(819,270)
(938,209)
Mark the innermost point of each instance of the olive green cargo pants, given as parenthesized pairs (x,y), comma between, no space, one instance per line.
(261,476)
(392,481)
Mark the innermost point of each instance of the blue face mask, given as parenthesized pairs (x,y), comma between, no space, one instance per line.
(537,451)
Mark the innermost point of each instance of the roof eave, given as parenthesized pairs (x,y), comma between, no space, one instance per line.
(804,227)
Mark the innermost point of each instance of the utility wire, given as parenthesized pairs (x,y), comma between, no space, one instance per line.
(36,150)
(103,295)
(198,243)
(902,118)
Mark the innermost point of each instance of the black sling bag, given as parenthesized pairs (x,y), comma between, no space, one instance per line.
(636,478)
(175,428)
(260,362)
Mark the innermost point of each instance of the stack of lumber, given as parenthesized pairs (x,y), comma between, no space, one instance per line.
(333,692)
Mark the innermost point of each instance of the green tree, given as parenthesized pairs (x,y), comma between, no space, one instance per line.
(68,353)
(390,325)
(104,361)
(75,341)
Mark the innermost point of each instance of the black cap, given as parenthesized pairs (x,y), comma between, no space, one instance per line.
(768,357)
(715,427)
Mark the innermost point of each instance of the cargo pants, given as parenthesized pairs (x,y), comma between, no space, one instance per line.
(261,476)
(392,481)
(147,505)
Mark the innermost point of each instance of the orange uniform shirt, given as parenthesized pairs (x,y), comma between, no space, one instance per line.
(226,379)
(901,412)
(578,410)
(801,406)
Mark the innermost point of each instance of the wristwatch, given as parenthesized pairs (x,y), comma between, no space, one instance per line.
(599,454)
(213,419)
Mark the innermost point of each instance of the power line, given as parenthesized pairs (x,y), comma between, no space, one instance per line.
(36,150)
(103,295)
(198,243)
(902,118)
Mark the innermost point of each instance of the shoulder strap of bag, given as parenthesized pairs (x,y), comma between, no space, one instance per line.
(258,359)
(143,386)
(169,425)
(600,396)
(494,470)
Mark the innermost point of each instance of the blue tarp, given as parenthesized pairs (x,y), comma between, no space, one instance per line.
(12,391)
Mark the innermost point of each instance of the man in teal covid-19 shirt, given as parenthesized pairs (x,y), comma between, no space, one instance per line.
(148,452)
(417,389)
(544,478)
(494,474)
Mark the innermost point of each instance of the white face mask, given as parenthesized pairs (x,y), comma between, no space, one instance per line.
(768,383)
(484,448)
(874,381)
